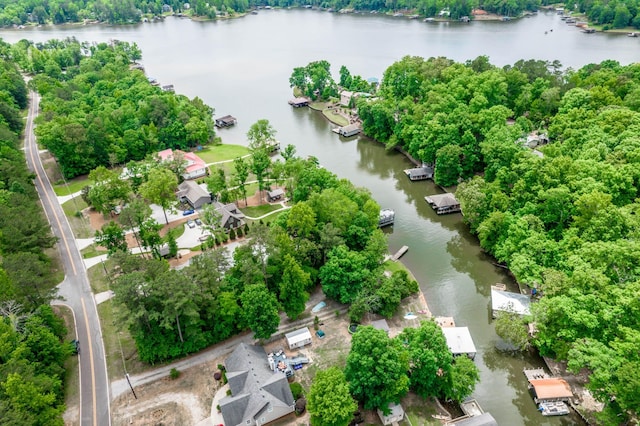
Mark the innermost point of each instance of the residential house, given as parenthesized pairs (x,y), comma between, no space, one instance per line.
(258,395)
(345,98)
(195,166)
(459,341)
(193,194)
(232,217)
(298,338)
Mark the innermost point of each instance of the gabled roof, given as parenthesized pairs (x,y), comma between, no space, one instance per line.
(278,192)
(229,210)
(459,340)
(298,335)
(442,200)
(192,191)
(194,162)
(485,419)
(508,301)
(552,388)
(420,171)
(254,387)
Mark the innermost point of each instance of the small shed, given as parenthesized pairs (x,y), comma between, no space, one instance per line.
(396,414)
(299,102)
(459,341)
(381,325)
(550,389)
(509,302)
(274,195)
(443,203)
(348,131)
(226,121)
(298,338)
(420,173)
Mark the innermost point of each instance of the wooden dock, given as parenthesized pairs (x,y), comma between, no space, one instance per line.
(400,253)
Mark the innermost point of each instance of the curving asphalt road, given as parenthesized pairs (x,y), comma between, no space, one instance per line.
(74,290)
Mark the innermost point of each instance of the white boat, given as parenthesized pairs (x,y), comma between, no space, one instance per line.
(555,408)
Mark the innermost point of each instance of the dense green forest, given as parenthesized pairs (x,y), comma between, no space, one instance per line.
(96,110)
(564,218)
(32,353)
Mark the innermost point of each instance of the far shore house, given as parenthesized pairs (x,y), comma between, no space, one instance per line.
(509,302)
(298,338)
(193,194)
(168,88)
(195,166)
(226,121)
(258,396)
(349,130)
(299,102)
(420,173)
(232,217)
(443,203)
(396,414)
(275,194)
(459,341)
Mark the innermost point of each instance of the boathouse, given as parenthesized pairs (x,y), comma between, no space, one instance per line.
(348,131)
(459,341)
(510,302)
(443,203)
(226,121)
(299,102)
(298,338)
(420,173)
(168,88)
(550,390)
(387,216)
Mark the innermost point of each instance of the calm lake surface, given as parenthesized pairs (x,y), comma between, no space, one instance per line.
(242,67)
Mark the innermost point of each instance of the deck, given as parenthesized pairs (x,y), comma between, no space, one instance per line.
(400,253)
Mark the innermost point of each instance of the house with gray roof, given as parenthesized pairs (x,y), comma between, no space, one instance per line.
(231,216)
(193,194)
(258,395)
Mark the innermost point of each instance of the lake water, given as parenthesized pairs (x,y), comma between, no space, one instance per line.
(242,67)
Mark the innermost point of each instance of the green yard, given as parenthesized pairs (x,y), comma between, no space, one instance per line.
(70,187)
(72,375)
(224,152)
(79,224)
(257,211)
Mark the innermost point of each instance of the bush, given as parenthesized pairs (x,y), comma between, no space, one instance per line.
(232,234)
(239,232)
(316,323)
(174,374)
(296,390)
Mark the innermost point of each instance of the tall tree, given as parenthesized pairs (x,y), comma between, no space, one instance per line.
(329,402)
(160,189)
(377,368)
(260,163)
(240,176)
(293,287)
(111,236)
(260,310)
(260,134)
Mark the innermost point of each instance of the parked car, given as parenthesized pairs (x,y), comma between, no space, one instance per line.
(198,222)
(75,346)
(188,212)
(191,224)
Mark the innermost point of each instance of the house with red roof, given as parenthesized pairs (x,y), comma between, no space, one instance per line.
(195,166)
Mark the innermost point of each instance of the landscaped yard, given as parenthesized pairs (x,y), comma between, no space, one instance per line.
(71,186)
(257,211)
(224,152)
(80,226)
(335,117)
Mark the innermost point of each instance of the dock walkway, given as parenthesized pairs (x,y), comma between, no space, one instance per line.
(400,253)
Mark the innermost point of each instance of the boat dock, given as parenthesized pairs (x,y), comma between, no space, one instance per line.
(400,253)
(535,373)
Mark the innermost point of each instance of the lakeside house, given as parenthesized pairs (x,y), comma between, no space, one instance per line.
(193,194)
(168,88)
(195,166)
(420,173)
(459,341)
(232,217)
(507,301)
(226,121)
(258,396)
(443,203)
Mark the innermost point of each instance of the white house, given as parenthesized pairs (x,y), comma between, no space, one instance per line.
(298,338)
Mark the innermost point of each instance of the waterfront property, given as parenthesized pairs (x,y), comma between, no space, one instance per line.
(400,253)
(443,203)
(193,194)
(273,146)
(387,217)
(484,419)
(226,121)
(298,338)
(420,173)
(348,131)
(257,395)
(195,166)
(299,102)
(232,217)
(510,302)
(459,341)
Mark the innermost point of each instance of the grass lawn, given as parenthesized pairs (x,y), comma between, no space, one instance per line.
(72,186)
(114,339)
(72,376)
(92,251)
(211,154)
(97,277)
(319,106)
(257,211)
(267,219)
(73,210)
(335,118)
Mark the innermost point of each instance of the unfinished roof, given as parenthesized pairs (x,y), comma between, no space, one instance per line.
(511,302)
(459,340)
(552,388)
(380,325)
(442,200)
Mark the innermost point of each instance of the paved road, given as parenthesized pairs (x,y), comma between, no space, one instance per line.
(75,291)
